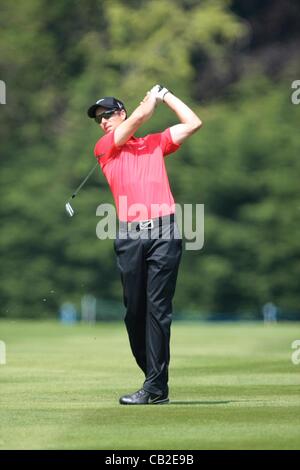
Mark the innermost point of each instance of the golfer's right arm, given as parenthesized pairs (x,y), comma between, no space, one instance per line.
(140,115)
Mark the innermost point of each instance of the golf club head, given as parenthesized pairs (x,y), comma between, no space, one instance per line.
(69,209)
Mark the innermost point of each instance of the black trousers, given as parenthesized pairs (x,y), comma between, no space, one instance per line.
(148,264)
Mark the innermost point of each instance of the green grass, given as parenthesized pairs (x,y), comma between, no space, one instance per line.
(232,386)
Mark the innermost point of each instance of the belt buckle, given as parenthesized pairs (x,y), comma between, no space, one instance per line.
(146,224)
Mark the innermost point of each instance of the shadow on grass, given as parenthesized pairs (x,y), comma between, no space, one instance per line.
(197,402)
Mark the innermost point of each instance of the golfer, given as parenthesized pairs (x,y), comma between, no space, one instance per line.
(148,244)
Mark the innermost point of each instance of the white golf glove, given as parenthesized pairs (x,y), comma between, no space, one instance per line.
(159,91)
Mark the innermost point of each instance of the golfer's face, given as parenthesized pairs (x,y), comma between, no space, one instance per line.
(110,121)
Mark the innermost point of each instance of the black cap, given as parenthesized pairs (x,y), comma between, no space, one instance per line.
(108,102)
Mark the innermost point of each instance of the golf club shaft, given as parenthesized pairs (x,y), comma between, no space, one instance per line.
(85,179)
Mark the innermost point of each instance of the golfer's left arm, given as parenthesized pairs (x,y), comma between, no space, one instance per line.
(190,122)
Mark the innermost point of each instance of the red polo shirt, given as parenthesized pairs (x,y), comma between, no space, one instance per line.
(137,176)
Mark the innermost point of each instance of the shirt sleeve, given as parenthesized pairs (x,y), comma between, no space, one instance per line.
(105,148)
(167,144)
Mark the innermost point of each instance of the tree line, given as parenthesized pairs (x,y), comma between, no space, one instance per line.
(57,58)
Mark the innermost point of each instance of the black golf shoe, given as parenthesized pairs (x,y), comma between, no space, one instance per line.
(142,397)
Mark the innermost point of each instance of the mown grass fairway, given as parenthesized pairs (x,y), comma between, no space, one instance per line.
(232,386)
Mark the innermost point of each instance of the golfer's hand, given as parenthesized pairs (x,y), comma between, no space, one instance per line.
(159,92)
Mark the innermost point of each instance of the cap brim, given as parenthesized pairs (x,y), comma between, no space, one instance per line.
(92,110)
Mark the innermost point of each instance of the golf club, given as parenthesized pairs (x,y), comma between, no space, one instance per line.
(68,206)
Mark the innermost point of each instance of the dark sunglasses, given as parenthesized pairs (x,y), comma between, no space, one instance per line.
(106,114)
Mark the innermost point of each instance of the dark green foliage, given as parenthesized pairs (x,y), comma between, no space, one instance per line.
(56,58)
